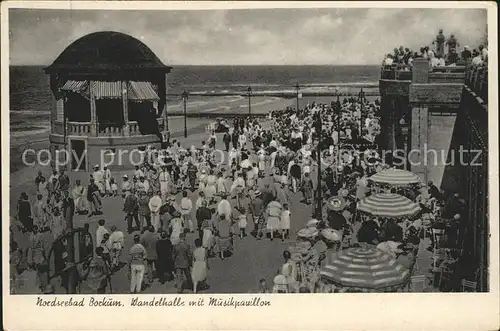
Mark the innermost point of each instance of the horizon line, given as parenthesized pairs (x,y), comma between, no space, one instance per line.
(227,65)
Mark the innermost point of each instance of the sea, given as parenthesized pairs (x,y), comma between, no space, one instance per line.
(31,98)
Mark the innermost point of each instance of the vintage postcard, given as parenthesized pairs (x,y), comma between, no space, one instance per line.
(247,165)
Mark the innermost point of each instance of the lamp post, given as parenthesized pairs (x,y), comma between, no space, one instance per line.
(185,96)
(337,121)
(297,89)
(361,96)
(319,202)
(404,133)
(249,93)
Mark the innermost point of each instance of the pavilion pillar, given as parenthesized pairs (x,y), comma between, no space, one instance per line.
(93,113)
(126,129)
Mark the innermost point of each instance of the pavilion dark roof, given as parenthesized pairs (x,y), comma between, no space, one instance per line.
(107,51)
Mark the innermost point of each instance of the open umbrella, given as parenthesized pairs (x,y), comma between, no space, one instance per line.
(395,177)
(388,205)
(368,268)
(336,203)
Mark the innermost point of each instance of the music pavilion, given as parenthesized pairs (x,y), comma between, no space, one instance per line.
(110,95)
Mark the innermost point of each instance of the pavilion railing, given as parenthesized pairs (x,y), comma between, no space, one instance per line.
(133,128)
(79,128)
(104,129)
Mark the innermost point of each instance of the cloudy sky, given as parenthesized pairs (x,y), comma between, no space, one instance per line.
(246,37)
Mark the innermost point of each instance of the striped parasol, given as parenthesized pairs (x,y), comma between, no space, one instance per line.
(368,268)
(395,177)
(388,205)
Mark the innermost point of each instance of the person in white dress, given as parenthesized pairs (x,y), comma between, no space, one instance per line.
(199,270)
(80,197)
(273,215)
(107,180)
(261,154)
(221,184)
(164,178)
(40,212)
(98,176)
(186,208)
(242,141)
(285,222)
(210,189)
(201,180)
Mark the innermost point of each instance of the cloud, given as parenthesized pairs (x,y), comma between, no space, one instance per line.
(280,36)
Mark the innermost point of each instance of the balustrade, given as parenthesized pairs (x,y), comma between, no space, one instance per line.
(133,128)
(79,128)
(477,80)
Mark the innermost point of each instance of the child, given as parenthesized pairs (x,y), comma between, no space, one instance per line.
(114,187)
(241,218)
(105,244)
(285,222)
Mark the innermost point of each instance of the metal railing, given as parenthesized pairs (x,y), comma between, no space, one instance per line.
(476,78)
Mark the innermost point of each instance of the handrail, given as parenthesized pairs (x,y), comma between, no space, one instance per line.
(477,81)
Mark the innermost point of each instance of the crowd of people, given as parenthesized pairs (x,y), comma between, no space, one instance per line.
(181,193)
(403,57)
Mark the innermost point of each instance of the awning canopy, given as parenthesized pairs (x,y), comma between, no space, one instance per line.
(142,91)
(113,90)
(77,86)
(107,90)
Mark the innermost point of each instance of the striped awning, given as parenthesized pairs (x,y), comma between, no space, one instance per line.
(388,205)
(107,90)
(142,91)
(395,177)
(368,268)
(76,86)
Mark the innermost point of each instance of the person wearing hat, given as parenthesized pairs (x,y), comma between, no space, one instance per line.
(107,180)
(143,211)
(183,258)
(98,176)
(131,208)
(94,198)
(137,258)
(126,185)
(176,227)
(164,180)
(117,241)
(272,216)
(238,188)
(154,205)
